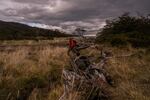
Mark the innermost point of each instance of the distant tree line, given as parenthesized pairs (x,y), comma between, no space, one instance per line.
(126,29)
(17,31)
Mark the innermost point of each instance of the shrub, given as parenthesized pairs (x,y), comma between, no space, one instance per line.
(118,42)
(126,29)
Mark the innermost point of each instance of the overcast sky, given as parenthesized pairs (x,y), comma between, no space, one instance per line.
(69,14)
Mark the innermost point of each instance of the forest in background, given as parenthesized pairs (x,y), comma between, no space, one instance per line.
(126,29)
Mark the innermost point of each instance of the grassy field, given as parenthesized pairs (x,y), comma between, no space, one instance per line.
(32,70)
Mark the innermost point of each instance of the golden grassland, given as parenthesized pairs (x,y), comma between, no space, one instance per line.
(26,67)
(35,72)
(55,41)
(132,74)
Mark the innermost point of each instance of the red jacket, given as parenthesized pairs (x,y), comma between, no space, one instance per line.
(72,43)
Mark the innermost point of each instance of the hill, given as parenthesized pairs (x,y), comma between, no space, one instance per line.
(126,30)
(17,31)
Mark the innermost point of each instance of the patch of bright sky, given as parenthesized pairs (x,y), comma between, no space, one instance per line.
(46,26)
(57,6)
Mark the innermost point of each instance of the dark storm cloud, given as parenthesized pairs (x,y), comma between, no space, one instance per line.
(35,1)
(73,12)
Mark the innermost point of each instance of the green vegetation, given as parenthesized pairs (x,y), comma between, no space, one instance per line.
(17,31)
(126,30)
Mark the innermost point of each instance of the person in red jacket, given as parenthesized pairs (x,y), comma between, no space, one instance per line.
(72,43)
(73,46)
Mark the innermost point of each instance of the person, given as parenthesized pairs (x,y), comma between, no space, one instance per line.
(73,46)
(72,43)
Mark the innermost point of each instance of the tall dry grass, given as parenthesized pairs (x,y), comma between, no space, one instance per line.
(36,68)
(35,72)
(130,69)
(131,73)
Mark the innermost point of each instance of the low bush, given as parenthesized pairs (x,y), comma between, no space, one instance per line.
(118,42)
